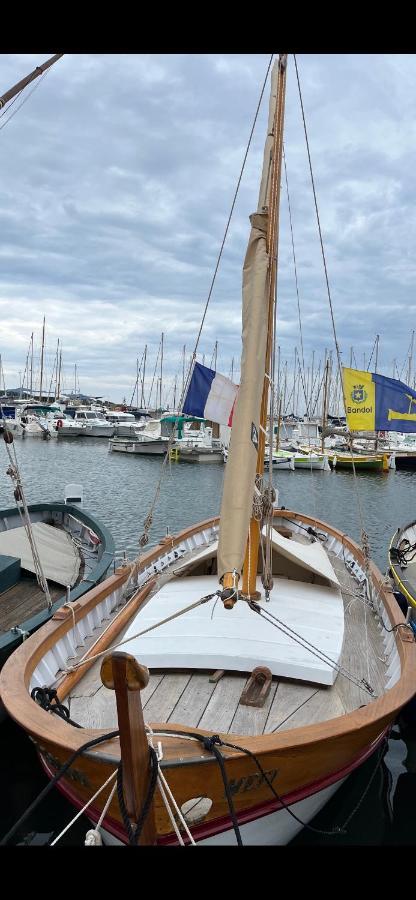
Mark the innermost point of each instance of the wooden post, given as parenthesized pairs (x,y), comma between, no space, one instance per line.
(122,673)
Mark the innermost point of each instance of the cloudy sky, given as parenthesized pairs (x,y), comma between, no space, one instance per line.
(116,180)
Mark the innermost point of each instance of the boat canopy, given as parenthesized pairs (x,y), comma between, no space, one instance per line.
(41,410)
(58,555)
(180,420)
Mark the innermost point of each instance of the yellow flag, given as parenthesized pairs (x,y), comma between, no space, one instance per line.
(360,400)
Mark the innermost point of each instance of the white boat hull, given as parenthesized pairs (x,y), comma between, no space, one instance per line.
(97,431)
(280,462)
(312,463)
(144,448)
(67,431)
(278,827)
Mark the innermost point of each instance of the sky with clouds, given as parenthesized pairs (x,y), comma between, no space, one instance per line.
(117,178)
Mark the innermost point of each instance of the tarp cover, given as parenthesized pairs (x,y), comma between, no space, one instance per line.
(311,556)
(58,555)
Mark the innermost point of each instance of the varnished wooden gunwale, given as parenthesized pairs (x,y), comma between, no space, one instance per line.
(302,756)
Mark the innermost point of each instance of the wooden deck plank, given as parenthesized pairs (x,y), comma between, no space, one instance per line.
(24,600)
(194,700)
(164,699)
(323,705)
(223,703)
(288,697)
(90,683)
(252,719)
(362,641)
(150,688)
(98,711)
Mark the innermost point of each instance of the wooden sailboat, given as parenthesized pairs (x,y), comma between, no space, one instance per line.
(265,652)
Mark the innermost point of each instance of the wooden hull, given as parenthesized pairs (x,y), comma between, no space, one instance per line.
(265,822)
(301,763)
(361,464)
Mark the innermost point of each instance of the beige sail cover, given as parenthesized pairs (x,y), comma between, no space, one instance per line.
(237,498)
(59,557)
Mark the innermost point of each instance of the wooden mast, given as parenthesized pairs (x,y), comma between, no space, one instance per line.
(273,199)
(25,81)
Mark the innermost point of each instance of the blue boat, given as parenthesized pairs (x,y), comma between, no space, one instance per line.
(74,550)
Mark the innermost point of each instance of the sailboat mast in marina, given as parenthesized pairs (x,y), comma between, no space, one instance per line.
(239,534)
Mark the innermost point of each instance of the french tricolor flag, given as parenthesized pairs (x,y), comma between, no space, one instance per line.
(210,396)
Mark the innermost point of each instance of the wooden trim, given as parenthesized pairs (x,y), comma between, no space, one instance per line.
(107,638)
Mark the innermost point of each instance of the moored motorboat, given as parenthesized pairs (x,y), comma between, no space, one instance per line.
(92,423)
(142,445)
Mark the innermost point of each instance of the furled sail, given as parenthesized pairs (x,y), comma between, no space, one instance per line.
(237,498)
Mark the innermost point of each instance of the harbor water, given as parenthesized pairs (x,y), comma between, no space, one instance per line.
(118,489)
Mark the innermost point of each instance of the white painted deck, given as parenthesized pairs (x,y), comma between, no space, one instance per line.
(238,640)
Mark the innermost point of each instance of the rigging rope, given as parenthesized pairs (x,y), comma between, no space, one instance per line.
(64,768)
(23,101)
(361,518)
(307,645)
(296,277)
(138,634)
(85,807)
(20,498)
(214,742)
(144,537)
